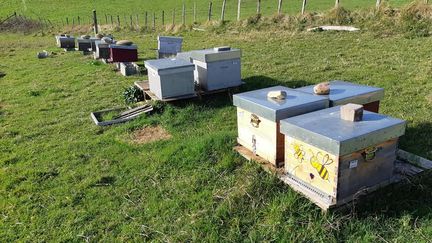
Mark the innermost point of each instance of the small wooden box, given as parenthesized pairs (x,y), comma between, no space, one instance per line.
(342,93)
(258,119)
(329,159)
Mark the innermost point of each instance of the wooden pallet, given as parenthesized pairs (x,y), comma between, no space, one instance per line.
(144,86)
(406,166)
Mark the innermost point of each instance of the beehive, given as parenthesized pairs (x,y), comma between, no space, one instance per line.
(123,53)
(102,50)
(169,46)
(329,159)
(65,41)
(83,44)
(93,41)
(258,119)
(217,68)
(170,77)
(342,93)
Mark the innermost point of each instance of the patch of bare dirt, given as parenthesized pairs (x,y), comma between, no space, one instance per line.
(150,134)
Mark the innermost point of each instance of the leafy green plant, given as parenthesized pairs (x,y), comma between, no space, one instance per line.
(132,95)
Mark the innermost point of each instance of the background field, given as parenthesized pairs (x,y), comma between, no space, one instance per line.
(64,179)
(57,10)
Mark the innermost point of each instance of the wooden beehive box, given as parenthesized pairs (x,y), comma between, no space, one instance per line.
(123,53)
(342,93)
(258,119)
(329,159)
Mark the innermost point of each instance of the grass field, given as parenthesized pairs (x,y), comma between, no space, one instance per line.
(57,10)
(64,179)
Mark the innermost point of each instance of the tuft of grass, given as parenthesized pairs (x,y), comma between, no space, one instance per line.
(416,19)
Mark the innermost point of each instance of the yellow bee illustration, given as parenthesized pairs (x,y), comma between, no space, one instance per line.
(299,153)
(320,166)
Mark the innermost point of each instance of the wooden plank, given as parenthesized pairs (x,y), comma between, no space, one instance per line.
(144,86)
(414,159)
(248,155)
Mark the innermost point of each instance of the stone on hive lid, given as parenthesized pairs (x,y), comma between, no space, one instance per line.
(85,37)
(278,94)
(124,43)
(99,36)
(322,88)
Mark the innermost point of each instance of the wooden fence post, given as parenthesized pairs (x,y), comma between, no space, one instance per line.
(118,20)
(154,21)
(210,11)
(163,18)
(95,22)
(258,6)
(194,13)
(223,11)
(238,10)
(337,3)
(106,19)
(146,19)
(137,20)
(173,17)
(280,7)
(112,22)
(184,14)
(304,7)
(79,20)
(67,21)
(378,4)
(131,21)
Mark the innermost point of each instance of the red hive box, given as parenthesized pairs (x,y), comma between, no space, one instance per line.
(119,53)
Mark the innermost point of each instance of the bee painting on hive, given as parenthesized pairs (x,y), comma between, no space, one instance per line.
(311,165)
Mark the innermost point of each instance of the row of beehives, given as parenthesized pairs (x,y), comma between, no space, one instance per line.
(175,73)
(325,155)
(207,70)
(122,52)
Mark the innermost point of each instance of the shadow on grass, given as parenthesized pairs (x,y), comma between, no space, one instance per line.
(224,99)
(418,140)
(410,197)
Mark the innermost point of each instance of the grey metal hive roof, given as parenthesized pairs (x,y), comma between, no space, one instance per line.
(170,39)
(212,55)
(326,130)
(165,64)
(296,103)
(342,92)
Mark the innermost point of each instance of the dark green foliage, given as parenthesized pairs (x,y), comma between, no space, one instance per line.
(132,95)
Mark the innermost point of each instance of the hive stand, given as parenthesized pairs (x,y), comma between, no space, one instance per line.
(144,86)
(406,165)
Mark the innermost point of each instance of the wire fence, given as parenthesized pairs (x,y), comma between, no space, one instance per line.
(196,13)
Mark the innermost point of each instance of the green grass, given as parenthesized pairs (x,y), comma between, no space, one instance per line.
(64,179)
(58,10)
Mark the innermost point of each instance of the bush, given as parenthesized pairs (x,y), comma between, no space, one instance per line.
(132,95)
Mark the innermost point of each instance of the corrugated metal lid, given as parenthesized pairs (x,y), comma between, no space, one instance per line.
(342,92)
(326,130)
(213,55)
(167,63)
(296,103)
